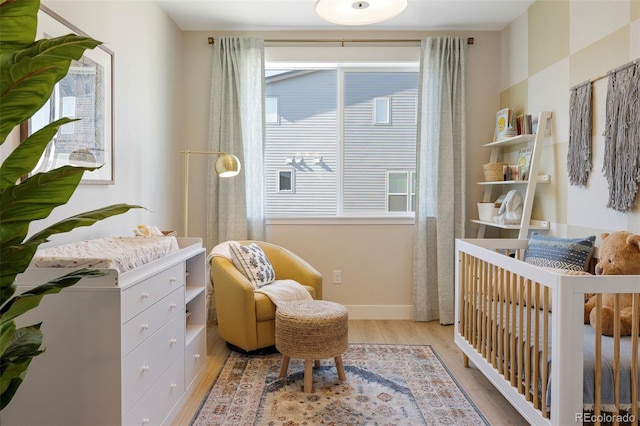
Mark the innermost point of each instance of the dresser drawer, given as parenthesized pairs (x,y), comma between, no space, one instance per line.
(142,367)
(139,297)
(195,356)
(156,404)
(142,326)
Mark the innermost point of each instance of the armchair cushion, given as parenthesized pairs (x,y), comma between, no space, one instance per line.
(253,263)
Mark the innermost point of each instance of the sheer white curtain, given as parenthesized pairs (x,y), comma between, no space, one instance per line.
(235,206)
(440,191)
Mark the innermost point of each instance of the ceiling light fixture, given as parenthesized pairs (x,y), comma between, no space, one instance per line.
(350,12)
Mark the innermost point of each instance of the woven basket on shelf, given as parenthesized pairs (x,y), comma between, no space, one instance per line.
(493,172)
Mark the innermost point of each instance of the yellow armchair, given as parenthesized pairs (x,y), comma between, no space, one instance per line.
(247,319)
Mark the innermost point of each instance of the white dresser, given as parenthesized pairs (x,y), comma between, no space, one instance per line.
(123,349)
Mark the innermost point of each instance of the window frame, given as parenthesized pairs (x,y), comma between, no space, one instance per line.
(341,216)
(292,177)
(387,120)
(277,111)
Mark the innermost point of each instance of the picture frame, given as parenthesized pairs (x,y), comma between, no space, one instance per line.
(86,92)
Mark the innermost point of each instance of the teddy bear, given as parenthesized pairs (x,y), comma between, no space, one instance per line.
(619,255)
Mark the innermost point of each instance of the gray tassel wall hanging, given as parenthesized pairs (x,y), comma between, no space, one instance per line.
(580,118)
(621,165)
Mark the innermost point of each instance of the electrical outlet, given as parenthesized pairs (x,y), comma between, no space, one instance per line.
(337,276)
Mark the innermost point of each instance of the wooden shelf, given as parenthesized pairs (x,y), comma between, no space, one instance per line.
(541,179)
(534,224)
(514,140)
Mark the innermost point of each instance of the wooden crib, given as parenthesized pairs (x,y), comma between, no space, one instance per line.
(511,316)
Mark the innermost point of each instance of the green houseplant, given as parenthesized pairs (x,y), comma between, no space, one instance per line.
(29,70)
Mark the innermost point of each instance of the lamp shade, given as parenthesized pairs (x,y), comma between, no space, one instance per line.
(350,12)
(227,165)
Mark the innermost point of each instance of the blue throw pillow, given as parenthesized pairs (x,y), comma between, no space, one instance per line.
(562,253)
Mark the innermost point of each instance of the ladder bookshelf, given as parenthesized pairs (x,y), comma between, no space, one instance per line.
(533,179)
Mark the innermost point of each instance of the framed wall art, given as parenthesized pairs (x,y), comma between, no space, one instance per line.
(86,93)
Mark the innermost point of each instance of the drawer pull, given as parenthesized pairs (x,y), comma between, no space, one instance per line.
(173,341)
(174,385)
(196,356)
(173,306)
(146,421)
(144,295)
(145,368)
(173,279)
(145,326)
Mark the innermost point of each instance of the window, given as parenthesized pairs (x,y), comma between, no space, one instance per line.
(271,110)
(401,193)
(381,114)
(285,181)
(335,114)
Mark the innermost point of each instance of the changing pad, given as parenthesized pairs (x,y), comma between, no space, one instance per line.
(121,253)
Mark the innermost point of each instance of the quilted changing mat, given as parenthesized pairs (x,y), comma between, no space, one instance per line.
(121,253)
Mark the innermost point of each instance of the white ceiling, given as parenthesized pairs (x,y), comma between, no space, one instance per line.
(272,15)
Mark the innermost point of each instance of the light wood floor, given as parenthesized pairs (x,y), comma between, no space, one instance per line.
(490,402)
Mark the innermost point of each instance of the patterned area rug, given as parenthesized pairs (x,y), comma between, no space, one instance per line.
(386,385)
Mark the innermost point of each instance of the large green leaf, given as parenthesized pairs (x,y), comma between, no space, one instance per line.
(27,77)
(18,20)
(14,362)
(36,197)
(29,71)
(24,158)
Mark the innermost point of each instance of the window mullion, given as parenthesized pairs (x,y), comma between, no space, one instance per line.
(340,140)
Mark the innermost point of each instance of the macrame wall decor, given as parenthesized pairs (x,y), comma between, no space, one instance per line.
(579,153)
(621,164)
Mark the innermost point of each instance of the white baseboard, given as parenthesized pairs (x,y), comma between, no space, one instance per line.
(380,312)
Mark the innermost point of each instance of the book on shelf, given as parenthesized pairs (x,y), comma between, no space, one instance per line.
(502,123)
(524,161)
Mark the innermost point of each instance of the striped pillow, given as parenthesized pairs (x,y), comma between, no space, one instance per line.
(571,254)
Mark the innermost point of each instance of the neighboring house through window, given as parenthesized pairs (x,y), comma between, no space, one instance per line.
(348,135)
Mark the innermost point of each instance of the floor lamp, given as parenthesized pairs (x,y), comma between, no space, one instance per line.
(227,165)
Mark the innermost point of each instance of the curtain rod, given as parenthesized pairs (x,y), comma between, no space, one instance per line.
(606,74)
(470,40)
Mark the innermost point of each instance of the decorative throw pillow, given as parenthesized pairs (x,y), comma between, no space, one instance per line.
(253,263)
(563,253)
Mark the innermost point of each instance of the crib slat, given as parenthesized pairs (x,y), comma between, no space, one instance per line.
(545,350)
(527,346)
(521,368)
(597,401)
(635,308)
(512,327)
(616,355)
(493,313)
(536,347)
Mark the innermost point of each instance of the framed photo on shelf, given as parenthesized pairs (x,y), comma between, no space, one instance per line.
(502,123)
(85,93)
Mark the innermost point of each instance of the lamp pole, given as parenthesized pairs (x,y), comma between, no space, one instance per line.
(227,165)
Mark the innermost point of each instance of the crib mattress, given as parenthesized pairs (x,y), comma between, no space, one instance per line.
(121,253)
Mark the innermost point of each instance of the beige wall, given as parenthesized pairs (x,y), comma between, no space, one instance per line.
(563,43)
(376,260)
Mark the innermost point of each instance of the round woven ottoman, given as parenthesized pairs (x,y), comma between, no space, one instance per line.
(311,330)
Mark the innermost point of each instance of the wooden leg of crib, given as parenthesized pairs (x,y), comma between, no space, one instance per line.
(465,361)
